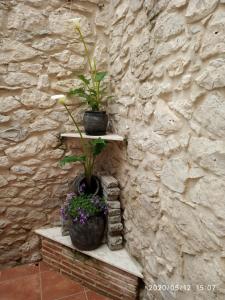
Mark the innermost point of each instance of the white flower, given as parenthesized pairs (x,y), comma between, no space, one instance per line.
(57,97)
(61,98)
(75,22)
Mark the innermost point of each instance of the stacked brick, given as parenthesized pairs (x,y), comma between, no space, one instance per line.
(97,275)
(111,192)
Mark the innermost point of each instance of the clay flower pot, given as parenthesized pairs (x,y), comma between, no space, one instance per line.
(95,122)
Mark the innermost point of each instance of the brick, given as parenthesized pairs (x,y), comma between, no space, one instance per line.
(115,242)
(114,219)
(111,192)
(109,181)
(114,205)
(106,279)
(114,212)
(115,229)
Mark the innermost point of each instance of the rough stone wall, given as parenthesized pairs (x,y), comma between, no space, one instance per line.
(168,75)
(38,57)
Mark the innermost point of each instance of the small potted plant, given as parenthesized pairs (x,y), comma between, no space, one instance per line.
(86,216)
(92,90)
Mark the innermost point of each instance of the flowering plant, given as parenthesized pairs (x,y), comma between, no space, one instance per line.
(80,208)
(92,89)
(91,149)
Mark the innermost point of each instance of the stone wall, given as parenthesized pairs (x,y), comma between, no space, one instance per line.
(39,55)
(168,75)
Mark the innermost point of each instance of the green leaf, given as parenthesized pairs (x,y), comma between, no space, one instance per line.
(100,76)
(78,92)
(72,158)
(98,145)
(84,79)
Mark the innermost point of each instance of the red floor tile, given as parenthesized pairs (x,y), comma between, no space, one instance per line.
(91,295)
(80,296)
(56,286)
(23,288)
(45,267)
(18,272)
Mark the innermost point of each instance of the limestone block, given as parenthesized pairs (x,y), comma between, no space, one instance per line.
(213,76)
(30,19)
(147,90)
(120,12)
(114,219)
(21,79)
(114,211)
(29,148)
(166,121)
(108,181)
(19,169)
(177,3)
(4,119)
(16,213)
(113,204)
(4,223)
(210,155)
(4,162)
(115,242)
(209,192)
(210,114)
(182,104)
(15,134)
(168,25)
(33,98)
(198,9)
(75,63)
(14,51)
(63,56)
(167,48)
(9,103)
(23,116)
(35,216)
(3,181)
(176,67)
(115,229)
(175,173)
(31,67)
(43,124)
(136,5)
(58,24)
(65,85)
(114,191)
(48,44)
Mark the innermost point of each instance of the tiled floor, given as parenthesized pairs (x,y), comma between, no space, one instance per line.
(40,282)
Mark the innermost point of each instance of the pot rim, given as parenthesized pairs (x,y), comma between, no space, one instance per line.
(95,111)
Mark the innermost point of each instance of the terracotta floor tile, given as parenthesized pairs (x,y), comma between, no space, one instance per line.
(80,296)
(91,295)
(45,267)
(18,272)
(22,288)
(56,286)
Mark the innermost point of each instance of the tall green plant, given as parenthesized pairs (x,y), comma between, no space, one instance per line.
(92,88)
(91,149)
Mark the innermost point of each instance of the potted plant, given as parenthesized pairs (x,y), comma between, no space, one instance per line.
(87,182)
(92,91)
(86,216)
(85,205)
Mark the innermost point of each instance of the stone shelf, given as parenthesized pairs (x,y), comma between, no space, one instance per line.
(119,259)
(108,136)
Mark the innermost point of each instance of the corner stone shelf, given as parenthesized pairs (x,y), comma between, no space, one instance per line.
(108,136)
(113,273)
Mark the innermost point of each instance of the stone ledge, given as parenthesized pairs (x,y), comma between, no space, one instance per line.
(119,259)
